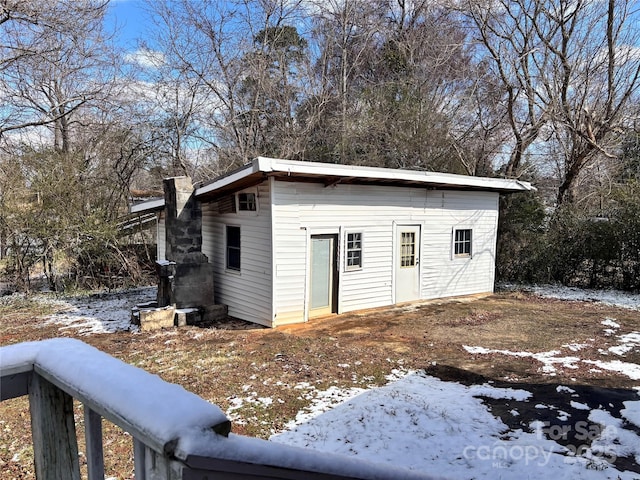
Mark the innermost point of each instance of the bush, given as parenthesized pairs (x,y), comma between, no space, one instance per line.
(572,247)
(521,227)
(109,266)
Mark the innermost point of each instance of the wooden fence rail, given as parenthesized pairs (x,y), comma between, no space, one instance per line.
(176,434)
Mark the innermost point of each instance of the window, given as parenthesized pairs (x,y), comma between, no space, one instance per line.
(462,243)
(247,202)
(407,249)
(233,248)
(354,251)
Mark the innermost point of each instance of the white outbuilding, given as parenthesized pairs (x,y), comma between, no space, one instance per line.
(291,240)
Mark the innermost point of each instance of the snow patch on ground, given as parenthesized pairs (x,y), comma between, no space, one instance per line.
(628,341)
(564,389)
(548,359)
(579,406)
(631,412)
(575,347)
(613,440)
(610,322)
(499,393)
(443,428)
(102,313)
(553,359)
(424,423)
(631,370)
(322,401)
(614,298)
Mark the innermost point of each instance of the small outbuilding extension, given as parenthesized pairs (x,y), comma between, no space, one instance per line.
(292,240)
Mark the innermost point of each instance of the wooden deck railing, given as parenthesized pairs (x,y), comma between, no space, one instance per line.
(176,434)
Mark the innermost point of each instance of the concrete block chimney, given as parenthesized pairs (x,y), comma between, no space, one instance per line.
(186,277)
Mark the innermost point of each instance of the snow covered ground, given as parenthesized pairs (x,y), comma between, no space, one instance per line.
(446,428)
(608,297)
(100,313)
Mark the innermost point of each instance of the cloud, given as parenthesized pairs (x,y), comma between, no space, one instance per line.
(146,58)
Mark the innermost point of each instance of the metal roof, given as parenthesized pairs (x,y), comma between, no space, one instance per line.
(147,206)
(332,174)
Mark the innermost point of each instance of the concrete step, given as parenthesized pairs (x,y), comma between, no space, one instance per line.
(150,317)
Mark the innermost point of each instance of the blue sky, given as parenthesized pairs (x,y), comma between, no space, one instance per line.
(129,18)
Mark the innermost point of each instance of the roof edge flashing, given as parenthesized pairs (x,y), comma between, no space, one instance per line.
(229,178)
(147,206)
(270,165)
(267,165)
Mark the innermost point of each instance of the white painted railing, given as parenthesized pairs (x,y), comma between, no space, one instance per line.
(176,434)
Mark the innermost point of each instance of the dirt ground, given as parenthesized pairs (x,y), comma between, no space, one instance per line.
(233,364)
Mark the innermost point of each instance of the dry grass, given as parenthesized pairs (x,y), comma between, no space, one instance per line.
(226,364)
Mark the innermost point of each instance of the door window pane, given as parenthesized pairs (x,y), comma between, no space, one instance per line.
(407,249)
(320,272)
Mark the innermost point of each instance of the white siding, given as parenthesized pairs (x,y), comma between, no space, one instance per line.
(247,293)
(161,245)
(443,275)
(302,209)
(290,255)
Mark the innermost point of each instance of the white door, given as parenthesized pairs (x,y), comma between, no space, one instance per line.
(322,288)
(407,262)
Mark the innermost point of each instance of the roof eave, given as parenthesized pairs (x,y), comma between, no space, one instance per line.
(262,167)
(147,206)
(229,179)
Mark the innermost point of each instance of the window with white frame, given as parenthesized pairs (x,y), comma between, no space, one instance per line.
(233,248)
(247,202)
(462,242)
(354,251)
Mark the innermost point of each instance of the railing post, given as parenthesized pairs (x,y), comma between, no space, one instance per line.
(93,437)
(152,465)
(139,460)
(55,447)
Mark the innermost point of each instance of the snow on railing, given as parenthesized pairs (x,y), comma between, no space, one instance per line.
(177,435)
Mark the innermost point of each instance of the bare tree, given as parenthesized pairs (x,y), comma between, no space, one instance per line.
(54,59)
(569,71)
(343,33)
(480,128)
(66,183)
(456,119)
(509,35)
(400,88)
(598,76)
(245,58)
